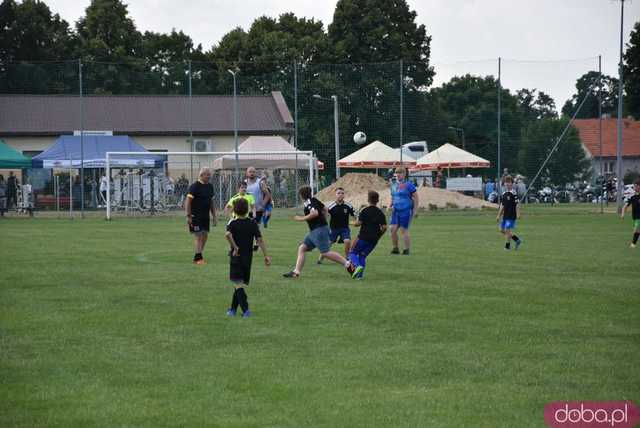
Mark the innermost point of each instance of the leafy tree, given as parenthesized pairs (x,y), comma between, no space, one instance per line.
(470,102)
(588,84)
(632,73)
(535,105)
(568,164)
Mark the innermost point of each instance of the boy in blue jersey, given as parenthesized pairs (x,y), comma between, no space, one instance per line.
(509,212)
(373,224)
(404,205)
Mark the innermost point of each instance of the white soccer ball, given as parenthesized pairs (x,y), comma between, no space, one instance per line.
(359,137)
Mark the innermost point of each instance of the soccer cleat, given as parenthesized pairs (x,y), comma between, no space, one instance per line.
(201,262)
(231,312)
(319,262)
(632,245)
(395,251)
(518,244)
(357,272)
(405,252)
(291,274)
(351,269)
(246,314)
(255,247)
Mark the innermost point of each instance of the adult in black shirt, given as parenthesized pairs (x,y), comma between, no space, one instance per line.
(340,212)
(198,205)
(12,190)
(634,203)
(315,215)
(241,232)
(509,212)
(373,224)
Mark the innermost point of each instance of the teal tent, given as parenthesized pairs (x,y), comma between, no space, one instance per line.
(10,158)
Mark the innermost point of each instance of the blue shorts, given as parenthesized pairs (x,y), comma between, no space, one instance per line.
(268,207)
(507,224)
(402,218)
(343,233)
(318,238)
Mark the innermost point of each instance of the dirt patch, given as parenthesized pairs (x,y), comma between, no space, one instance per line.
(356,186)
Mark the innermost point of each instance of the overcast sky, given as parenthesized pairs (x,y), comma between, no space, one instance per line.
(546,44)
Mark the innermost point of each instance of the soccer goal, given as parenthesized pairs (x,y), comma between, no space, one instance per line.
(153,183)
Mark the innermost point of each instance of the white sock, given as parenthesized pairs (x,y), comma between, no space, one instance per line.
(347,263)
(297,272)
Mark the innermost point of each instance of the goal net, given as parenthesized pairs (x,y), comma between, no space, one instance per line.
(155,183)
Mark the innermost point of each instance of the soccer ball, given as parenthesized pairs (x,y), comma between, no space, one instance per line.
(359,137)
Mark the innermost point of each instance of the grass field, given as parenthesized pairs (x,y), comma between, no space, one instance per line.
(109,324)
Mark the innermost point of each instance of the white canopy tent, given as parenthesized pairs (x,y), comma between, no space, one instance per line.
(449,156)
(266,144)
(375,155)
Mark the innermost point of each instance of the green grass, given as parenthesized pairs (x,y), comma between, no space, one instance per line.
(109,324)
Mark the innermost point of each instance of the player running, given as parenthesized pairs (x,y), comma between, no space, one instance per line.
(241,232)
(510,212)
(373,224)
(198,204)
(634,202)
(315,215)
(340,212)
(242,194)
(404,205)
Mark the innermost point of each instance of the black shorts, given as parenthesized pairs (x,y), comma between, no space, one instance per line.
(239,269)
(199,225)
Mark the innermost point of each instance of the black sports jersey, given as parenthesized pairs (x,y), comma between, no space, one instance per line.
(509,201)
(340,214)
(634,201)
(372,219)
(244,231)
(201,199)
(320,220)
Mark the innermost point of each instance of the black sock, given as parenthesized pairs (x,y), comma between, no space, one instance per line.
(234,301)
(507,245)
(635,237)
(242,299)
(515,238)
(198,256)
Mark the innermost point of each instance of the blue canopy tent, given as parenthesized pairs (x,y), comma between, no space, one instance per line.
(65,153)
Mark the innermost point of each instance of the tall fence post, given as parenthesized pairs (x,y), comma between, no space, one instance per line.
(191,148)
(295,119)
(499,175)
(81,139)
(401,108)
(600,133)
(620,170)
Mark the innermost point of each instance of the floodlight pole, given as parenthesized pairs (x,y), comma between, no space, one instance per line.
(619,168)
(235,119)
(191,148)
(401,108)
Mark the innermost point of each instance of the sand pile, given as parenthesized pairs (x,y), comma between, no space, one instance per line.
(356,186)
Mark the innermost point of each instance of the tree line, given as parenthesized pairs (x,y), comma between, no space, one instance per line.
(371,52)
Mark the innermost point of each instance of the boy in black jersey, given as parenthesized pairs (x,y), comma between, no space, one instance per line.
(315,214)
(241,232)
(373,224)
(510,212)
(634,202)
(340,211)
(198,205)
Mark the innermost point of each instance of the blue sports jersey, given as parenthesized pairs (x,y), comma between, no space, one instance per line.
(401,192)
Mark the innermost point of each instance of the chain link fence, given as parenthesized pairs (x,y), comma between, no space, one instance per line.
(506,111)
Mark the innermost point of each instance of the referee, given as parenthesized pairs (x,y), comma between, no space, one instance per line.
(198,204)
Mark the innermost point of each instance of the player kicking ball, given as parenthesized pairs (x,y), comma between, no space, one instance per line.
(373,224)
(634,202)
(241,232)
(340,211)
(509,212)
(315,214)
